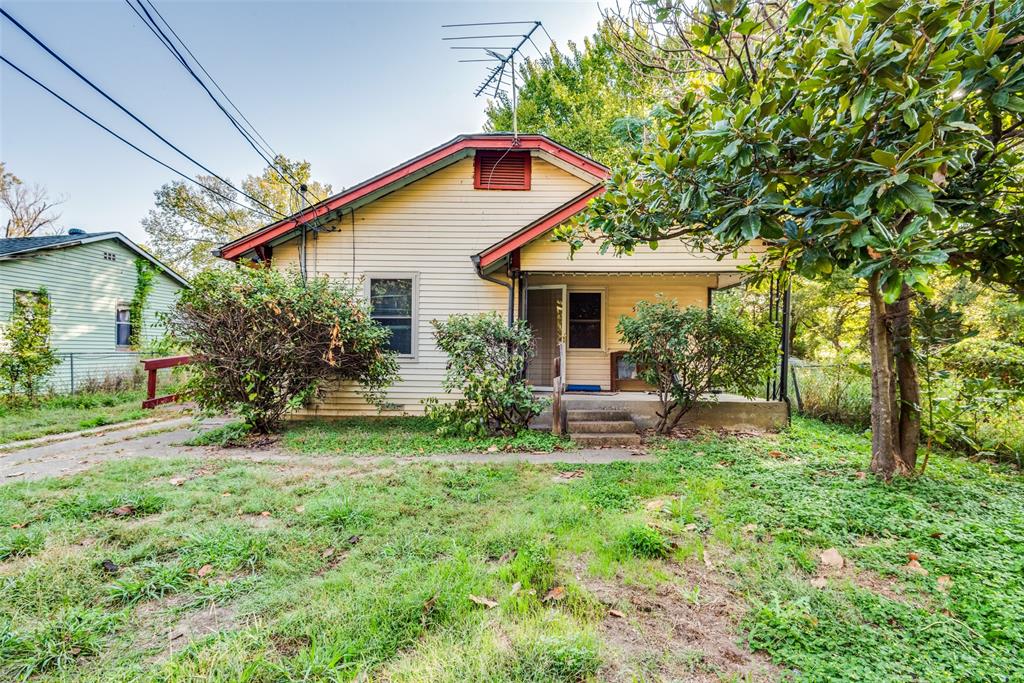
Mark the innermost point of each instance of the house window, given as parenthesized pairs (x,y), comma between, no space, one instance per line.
(392,305)
(123,326)
(585,320)
(496,169)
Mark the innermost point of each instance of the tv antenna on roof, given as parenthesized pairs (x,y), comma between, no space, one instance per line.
(502,57)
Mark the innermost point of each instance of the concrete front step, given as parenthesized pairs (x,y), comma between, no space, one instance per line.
(598,416)
(590,440)
(602,427)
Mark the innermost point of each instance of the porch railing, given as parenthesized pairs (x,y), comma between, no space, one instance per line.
(151,366)
(557,387)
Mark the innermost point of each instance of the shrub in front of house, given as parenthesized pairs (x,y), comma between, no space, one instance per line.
(265,341)
(26,358)
(486,360)
(686,354)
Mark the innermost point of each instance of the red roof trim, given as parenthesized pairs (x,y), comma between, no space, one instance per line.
(233,250)
(538,227)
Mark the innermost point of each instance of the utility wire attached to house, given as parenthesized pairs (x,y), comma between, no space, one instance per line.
(249,132)
(126,111)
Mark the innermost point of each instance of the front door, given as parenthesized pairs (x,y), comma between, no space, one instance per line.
(545,312)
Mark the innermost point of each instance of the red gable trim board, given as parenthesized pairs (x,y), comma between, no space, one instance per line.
(537,228)
(235,249)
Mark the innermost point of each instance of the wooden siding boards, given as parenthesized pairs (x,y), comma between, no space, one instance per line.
(671,256)
(85,289)
(430,229)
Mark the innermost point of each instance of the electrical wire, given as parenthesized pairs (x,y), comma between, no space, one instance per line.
(128,142)
(154,27)
(135,118)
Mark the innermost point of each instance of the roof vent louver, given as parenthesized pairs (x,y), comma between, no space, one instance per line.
(495,169)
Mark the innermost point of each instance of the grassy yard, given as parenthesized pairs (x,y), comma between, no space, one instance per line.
(702,565)
(58,414)
(405,436)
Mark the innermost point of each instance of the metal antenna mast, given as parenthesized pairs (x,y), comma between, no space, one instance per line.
(502,57)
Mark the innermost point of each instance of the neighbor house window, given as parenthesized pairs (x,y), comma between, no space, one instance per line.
(392,305)
(585,320)
(123,326)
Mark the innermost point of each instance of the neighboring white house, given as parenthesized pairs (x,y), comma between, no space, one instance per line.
(90,280)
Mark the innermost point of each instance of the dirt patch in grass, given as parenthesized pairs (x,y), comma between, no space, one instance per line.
(164,631)
(674,633)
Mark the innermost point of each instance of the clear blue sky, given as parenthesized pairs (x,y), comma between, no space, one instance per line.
(353,87)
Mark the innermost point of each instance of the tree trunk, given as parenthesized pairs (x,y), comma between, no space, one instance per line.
(906,375)
(886,456)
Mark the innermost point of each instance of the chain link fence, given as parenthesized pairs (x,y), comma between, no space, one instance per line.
(86,371)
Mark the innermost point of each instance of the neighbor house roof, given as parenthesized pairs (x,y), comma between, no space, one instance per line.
(417,167)
(17,247)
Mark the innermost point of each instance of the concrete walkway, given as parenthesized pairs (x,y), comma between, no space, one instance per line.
(69,454)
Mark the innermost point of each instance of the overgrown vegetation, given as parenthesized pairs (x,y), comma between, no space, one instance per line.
(688,354)
(265,341)
(486,360)
(25,354)
(145,273)
(182,570)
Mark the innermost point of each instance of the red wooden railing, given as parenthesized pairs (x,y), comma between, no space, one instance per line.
(151,366)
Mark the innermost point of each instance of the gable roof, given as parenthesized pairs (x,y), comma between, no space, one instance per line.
(413,169)
(22,246)
(532,231)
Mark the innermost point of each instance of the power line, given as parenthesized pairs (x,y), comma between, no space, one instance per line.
(135,118)
(125,141)
(155,28)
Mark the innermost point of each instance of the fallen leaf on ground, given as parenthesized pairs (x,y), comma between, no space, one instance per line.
(862,475)
(300,509)
(616,613)
(485,602)
(750,528)
(571,474)
(176,481)
(352,540)
(109,567)
(776,454)
(831,559)
(819,582)
(225,494)
(123,510)
(204,570)
(515,588)
(506,556)
(556,593)
(492,449)
(327,553)
(914,566)
(428,606)
(14,474)
(265,513)
(19,525)
(943,583)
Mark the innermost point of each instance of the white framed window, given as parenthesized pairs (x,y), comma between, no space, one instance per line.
(393,301)
(586,320)
(122,326)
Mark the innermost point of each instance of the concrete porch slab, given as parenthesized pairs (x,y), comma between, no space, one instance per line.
(729,411)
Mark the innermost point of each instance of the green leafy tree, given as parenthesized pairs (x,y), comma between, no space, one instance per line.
(879,137)
(265,341)
(25,354)
(590,99)
(688,354)
(486,360)
(189,222)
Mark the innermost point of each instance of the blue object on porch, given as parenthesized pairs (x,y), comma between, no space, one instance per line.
(583,387)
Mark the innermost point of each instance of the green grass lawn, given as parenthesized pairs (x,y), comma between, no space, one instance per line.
(674,569)
(404,436)
(58,414)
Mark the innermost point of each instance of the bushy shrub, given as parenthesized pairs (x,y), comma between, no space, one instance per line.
(265,341)
(685,354)
(486,360)
(25,354)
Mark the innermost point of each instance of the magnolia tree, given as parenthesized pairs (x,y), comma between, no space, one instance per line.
(879,137)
